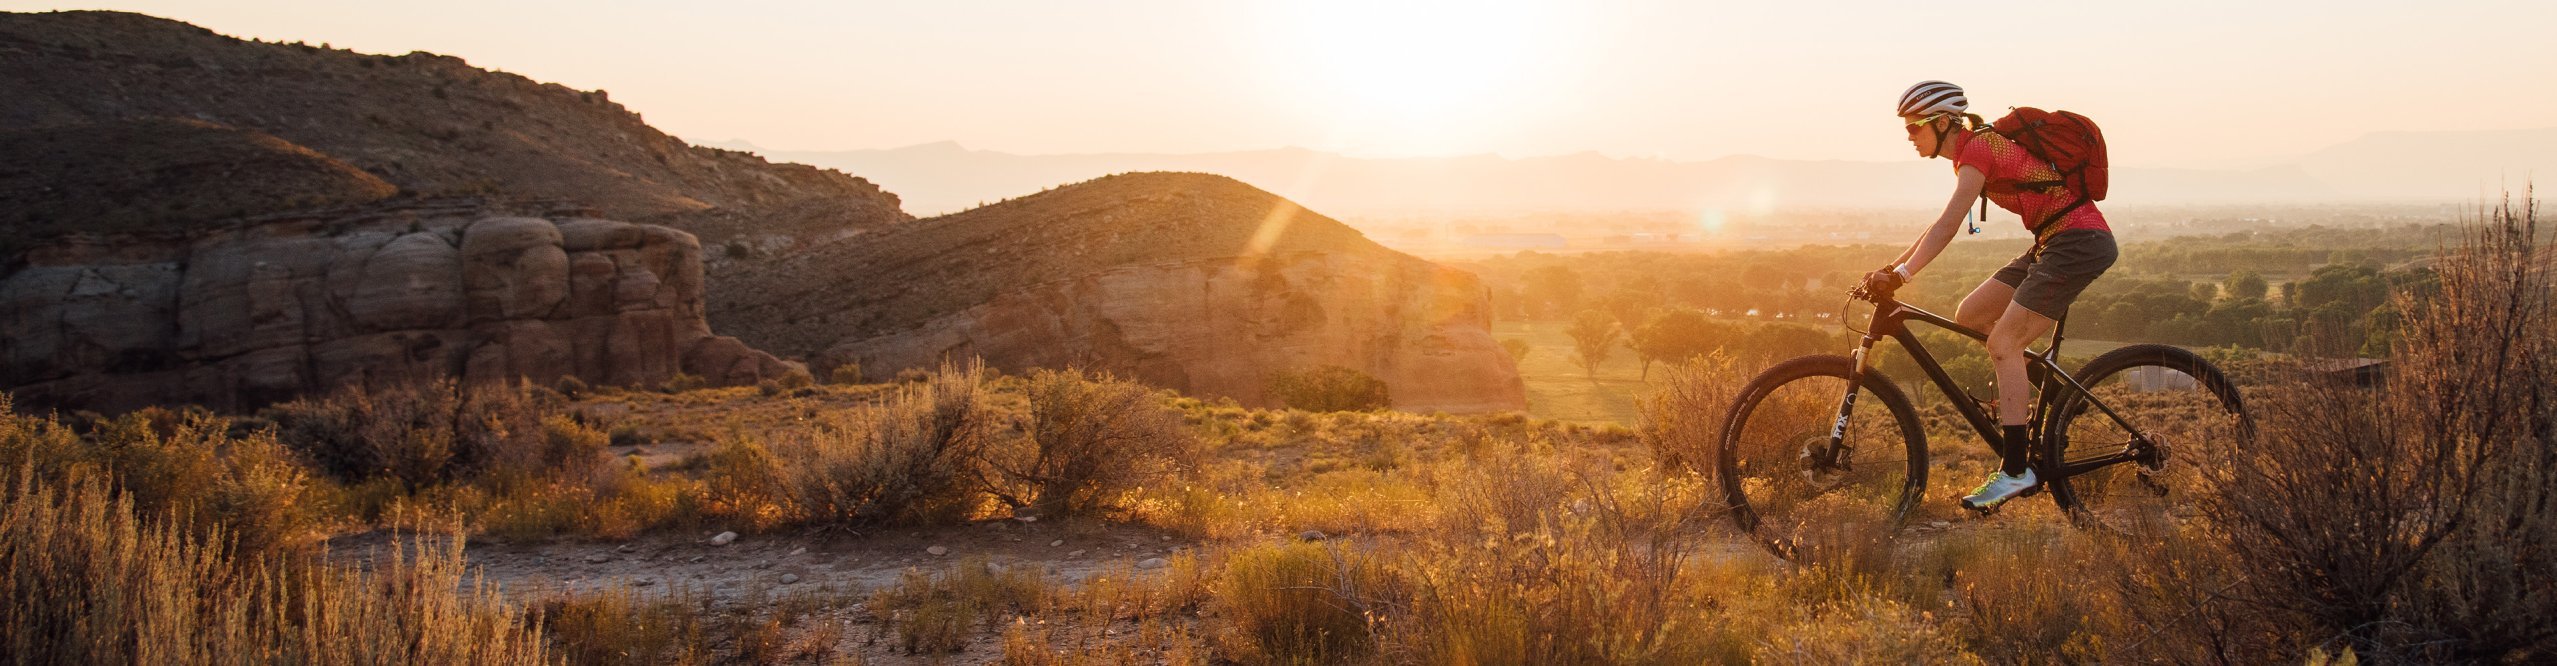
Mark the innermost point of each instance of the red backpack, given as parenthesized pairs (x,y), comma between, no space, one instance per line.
(2070,142)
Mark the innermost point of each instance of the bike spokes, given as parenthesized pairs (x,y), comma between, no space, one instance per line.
(1797,492)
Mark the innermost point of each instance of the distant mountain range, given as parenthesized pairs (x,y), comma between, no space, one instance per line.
(2382,167)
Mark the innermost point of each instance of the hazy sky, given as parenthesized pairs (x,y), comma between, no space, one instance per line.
(2174,82)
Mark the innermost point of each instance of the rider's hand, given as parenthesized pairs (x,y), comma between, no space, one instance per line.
(1883,281)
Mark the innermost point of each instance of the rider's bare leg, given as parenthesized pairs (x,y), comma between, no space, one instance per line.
(2014,330)
(1980,310)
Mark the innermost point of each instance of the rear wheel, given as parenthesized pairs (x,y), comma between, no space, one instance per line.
(1794,494)
(2175,402)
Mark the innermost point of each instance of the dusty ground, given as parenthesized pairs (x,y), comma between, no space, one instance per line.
(841,562)
(836,572)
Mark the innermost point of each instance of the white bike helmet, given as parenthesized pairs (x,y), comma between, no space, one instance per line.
(1933,97)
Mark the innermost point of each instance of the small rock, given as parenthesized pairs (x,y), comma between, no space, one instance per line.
(1167,537)
(789,578)
(599,558)
(1940,524)
(1075,554)
(644,582)
(801,551)
(1053,544)
(624,548)
(723,539)
(1312,535)
(1153,563)
(695,560)
(937,551)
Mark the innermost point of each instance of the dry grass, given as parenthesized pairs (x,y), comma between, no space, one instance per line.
(1301,603)
(186,465)
(935,613)
(1682,423)
(84,578)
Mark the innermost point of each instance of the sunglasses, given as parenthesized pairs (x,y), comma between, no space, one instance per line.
(1915,125)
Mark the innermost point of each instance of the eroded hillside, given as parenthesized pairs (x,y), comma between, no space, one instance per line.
(1190,281)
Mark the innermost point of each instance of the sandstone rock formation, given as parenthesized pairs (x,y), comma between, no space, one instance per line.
(266,310)
(1193,282)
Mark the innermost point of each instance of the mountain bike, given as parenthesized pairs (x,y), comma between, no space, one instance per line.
(1808,462)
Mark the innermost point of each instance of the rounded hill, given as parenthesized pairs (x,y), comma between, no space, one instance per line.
(431,125)
(894,278)
(1193,282)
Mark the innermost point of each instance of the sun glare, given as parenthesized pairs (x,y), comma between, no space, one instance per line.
(1409,76)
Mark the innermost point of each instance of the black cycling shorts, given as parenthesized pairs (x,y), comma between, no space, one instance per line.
(2048,278)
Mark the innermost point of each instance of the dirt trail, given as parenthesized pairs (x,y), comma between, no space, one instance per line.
(837,562)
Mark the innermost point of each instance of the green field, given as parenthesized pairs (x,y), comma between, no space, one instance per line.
(1556,387)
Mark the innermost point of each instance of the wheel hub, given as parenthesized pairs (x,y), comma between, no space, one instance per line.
(1824,466)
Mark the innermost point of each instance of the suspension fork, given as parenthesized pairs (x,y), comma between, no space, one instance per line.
(1828,456)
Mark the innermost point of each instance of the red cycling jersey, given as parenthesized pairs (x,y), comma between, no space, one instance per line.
(2013,174)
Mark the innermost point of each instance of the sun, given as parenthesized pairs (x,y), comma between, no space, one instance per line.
(1403,75)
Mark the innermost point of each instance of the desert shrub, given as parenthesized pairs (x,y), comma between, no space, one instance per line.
(2411,522)
(1517,349)
(1682,423)
(742,483)
(912,457)
(570,386)
(682,382)
(847,373)
(421,434)
(1329,388)
(934,613)
(184,465)
(1092,440)
(85,579)
(796,378)
(570,448)
(1301,602)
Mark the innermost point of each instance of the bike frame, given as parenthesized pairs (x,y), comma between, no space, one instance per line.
(1891,320)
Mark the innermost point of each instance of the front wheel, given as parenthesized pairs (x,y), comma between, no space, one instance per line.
(2175,405)
(1793,493)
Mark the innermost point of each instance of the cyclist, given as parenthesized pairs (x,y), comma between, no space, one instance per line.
(2022,301)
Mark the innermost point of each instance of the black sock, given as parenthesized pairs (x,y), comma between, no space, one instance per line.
(2019,441)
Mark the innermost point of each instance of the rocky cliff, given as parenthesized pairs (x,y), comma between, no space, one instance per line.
(1194,282)
(265,309)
